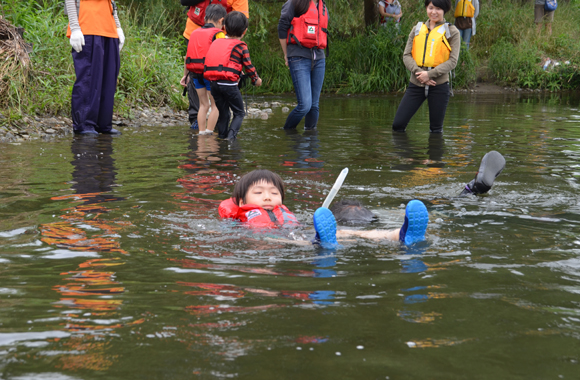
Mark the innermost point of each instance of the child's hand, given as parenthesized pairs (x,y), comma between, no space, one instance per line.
(184,80)
(258,82)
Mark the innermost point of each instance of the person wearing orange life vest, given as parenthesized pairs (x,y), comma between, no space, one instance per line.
(303,35)
(199,44)
(224,62)
(96,38)
(195,20)
(466,11)
(431,53)
(258,199)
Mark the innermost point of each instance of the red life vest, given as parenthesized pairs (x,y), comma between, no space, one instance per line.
(256,216)
(310,29)
(197,48)
(218,60)
(197,12)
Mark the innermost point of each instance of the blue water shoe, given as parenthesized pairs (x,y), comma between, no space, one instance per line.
(416,219)
(325,226)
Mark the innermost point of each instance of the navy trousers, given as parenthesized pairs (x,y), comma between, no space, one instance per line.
(93,95)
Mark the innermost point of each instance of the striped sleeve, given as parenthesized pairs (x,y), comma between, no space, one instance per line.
(241,55)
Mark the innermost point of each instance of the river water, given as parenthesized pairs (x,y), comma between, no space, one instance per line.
(115,264)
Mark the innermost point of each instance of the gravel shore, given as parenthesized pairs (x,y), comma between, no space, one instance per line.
(52,127)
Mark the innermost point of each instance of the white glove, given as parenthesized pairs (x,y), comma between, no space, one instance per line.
(77,40)
(121,38)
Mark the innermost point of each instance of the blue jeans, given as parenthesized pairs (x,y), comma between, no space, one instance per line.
(465,36)
(307,77)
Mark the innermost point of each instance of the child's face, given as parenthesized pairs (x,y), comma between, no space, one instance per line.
(263,194)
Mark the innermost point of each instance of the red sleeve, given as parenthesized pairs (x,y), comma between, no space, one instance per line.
(242,55)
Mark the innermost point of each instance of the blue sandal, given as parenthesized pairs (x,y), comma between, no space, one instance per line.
(416,220)
(325,226)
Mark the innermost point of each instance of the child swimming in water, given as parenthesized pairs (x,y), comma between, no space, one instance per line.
(258,201)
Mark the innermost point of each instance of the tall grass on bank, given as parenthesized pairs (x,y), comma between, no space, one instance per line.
(506,36)
(151,65)
(361,59)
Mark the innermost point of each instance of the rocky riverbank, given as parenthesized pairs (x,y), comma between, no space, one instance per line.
(51,127)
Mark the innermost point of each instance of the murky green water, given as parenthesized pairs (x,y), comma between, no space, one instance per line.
(115,265)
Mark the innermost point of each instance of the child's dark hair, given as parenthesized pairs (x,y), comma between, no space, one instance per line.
(351,211)
(214,12)
(236,24)
(300,7)
(254,177)
(443,4)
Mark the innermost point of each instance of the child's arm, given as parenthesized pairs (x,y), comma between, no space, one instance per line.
(185,78)
(242,54)
(372,234)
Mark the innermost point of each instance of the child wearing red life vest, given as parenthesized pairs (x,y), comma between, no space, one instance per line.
(258,201)
(197,48)
(224,63)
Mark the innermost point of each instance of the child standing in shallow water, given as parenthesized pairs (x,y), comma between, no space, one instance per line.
(224,62)
(199,43)
(258,201)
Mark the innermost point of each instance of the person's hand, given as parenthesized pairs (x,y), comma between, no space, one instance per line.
(398,17)
(430,82)
(77,40)
(258,82)
(422,76)
(121,38)
(184,80)
(286,60)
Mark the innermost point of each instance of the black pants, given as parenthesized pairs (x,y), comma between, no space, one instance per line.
(191,95)
(226,98)
(438,98)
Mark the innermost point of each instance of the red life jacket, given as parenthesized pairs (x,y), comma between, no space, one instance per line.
(218,62)
(256,216)
(197,48)
(310,29)
(197,12)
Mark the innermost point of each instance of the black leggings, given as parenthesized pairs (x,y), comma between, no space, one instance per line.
(438,98)
(226,98)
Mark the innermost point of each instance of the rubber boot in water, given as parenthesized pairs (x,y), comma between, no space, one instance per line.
(491,166)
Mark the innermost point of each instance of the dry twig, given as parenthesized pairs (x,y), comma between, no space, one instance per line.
(14,59)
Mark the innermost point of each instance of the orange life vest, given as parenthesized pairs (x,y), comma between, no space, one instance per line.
(199,43)
(256,216)
(197,12)
(96,19)
(431,47)
(310,29)
(218,60)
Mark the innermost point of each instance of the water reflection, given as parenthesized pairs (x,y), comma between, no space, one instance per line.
(306,148)
(90,294)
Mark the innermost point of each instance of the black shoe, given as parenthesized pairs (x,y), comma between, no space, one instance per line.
(113,131)
(87,132)
(491,166)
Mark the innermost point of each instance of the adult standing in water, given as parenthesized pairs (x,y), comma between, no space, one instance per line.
(431,53)
(196,20)
(302,30)
(97,39)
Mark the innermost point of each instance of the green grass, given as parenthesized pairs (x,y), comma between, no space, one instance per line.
(362,60)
